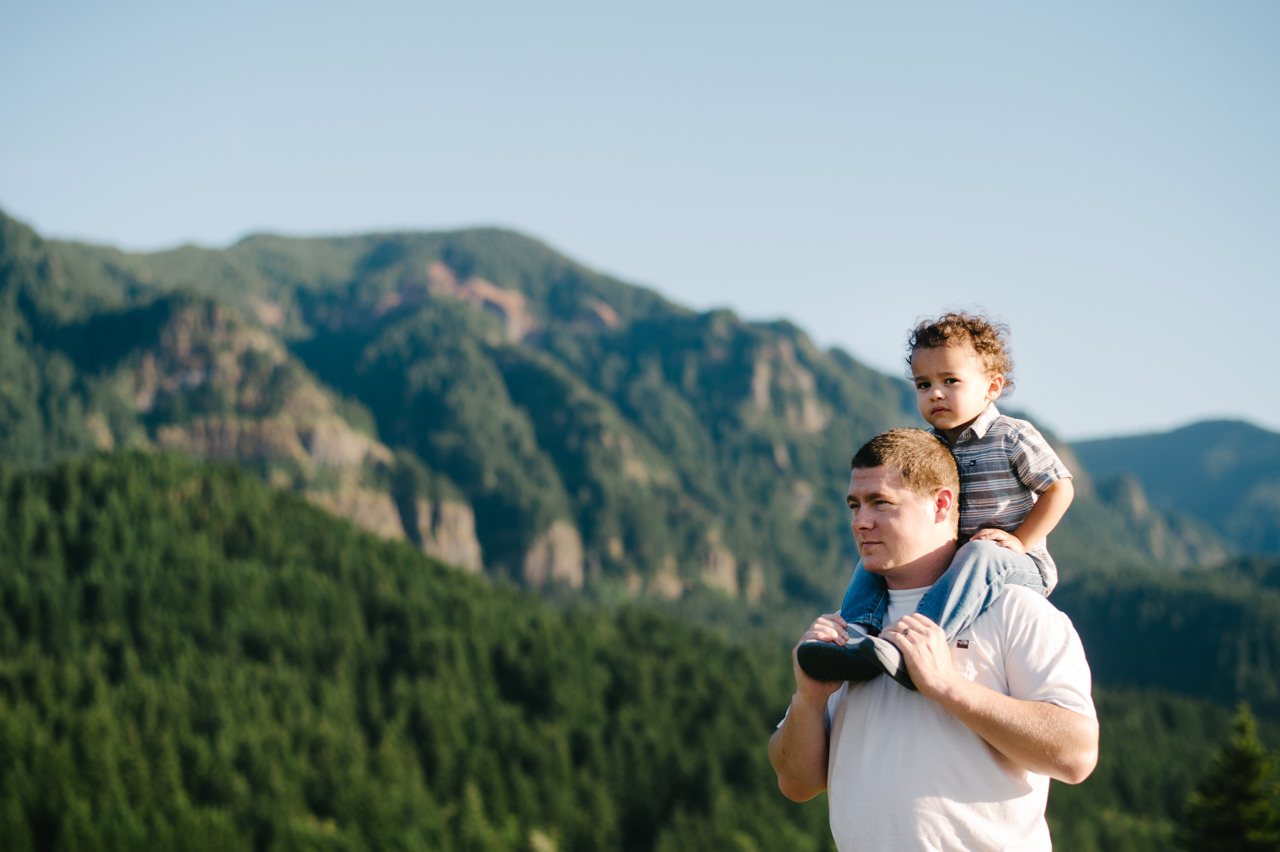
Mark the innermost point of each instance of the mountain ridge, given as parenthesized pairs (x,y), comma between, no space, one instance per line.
(1223,472)
(601,436)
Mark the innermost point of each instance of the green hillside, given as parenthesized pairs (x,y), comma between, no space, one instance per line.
(190,659)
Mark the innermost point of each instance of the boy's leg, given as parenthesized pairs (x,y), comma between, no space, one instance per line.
(978,574)
(865,603)
(866,600)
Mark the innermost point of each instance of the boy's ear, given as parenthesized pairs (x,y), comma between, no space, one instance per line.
(995,388)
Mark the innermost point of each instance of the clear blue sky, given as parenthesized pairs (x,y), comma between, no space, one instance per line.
(1103,176)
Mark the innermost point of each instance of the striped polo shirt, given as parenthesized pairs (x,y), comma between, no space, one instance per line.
(1005,464)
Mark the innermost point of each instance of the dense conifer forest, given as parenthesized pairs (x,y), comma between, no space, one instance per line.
(190,659)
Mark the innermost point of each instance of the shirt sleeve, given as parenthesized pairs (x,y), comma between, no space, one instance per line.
(1036,464)
(1044,659)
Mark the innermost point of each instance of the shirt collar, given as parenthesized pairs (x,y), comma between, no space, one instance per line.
(978,428)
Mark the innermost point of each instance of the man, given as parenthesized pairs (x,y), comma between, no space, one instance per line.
(963,763)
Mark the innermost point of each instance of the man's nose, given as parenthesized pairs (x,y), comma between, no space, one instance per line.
(861,519)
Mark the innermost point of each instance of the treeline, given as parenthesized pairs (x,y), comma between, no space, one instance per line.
(191,660)
(1155,749)
(1210,633)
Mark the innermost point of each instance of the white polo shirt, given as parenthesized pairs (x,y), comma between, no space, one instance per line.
(905,775)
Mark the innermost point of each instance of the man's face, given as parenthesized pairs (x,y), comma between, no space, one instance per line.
(894,526)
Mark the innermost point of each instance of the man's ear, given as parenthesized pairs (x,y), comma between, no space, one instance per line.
(944,502)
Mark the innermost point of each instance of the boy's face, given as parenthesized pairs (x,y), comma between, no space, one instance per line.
(952,387)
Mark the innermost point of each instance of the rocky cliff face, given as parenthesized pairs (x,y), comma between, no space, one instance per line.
(555,557)
(782,386)
(216,387)
(447,531)
(1172,542)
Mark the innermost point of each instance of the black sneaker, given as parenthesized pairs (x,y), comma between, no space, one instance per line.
(886,657)
(831,662)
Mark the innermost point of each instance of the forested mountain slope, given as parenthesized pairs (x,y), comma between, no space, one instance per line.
(1212,633)
(190,659)
(493,402)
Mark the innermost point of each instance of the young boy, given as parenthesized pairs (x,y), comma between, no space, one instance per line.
(1013,491)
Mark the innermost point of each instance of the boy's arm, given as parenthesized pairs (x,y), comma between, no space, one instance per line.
(1046,513)
(1039,522)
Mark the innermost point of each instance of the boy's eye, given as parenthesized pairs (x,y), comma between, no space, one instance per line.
(952,381)
(922,385)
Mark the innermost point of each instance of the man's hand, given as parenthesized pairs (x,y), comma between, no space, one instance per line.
(828,628)
(1002,538)
(1035,735)
(925,652)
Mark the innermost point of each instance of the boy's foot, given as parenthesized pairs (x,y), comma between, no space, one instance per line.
(886,657)
(831,662)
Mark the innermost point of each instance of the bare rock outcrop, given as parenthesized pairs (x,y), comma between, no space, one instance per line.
(510,306)
(781,385)
(555,557)
(720,570)
(666,582)
(447,531)
(370,510)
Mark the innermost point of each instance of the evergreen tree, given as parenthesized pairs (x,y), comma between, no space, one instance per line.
(1234,807)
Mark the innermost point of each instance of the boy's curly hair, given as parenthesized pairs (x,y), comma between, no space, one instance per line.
(988,339)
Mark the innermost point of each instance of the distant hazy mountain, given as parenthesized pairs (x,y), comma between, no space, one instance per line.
(1225,474)
(492,401)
